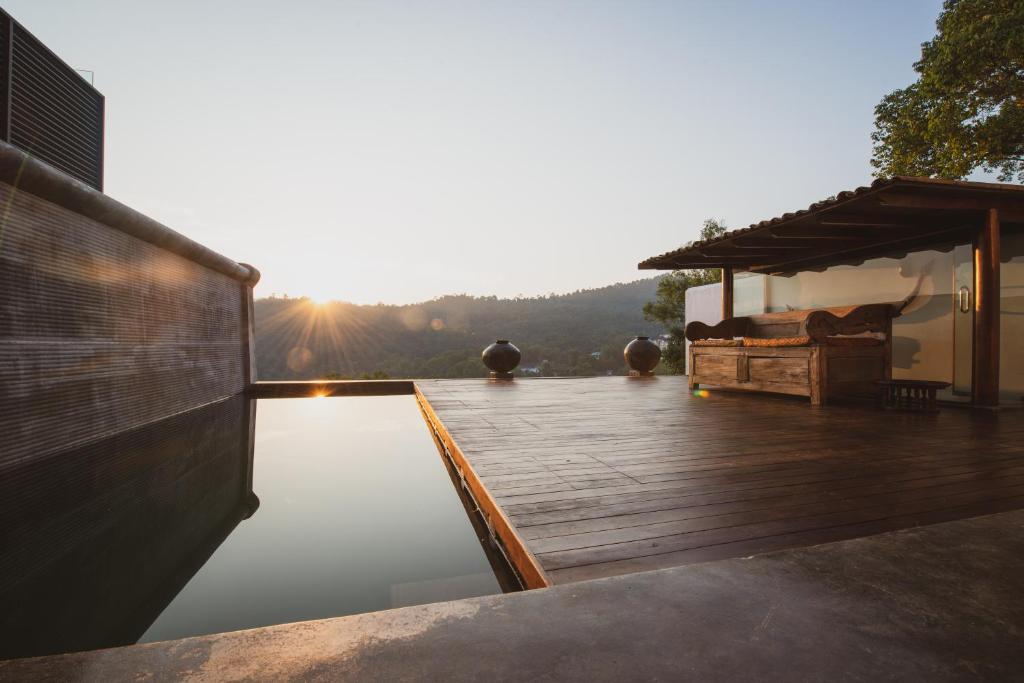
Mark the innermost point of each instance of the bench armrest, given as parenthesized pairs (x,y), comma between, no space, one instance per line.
(819,325)
(727,329)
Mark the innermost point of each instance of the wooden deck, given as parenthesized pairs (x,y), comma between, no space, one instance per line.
(609,475)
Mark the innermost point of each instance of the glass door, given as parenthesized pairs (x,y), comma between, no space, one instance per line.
(963,320)
(1011,318)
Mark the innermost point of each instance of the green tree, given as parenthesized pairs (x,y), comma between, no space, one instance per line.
(966,109)
(376,374)
(669,308)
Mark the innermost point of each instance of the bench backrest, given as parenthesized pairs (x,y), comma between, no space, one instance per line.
(816,323)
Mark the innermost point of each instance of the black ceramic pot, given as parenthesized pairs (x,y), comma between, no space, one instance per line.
(642,355)
(502,358)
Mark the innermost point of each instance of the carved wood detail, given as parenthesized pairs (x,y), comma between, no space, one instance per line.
(819,325)
(727,329)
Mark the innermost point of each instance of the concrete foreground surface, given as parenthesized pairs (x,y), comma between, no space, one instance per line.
(935,603)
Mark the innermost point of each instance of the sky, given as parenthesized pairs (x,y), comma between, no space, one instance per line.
(397,151)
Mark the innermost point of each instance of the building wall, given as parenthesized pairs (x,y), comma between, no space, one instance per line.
(100,330)
(47,108)
(922,336)
(704,303)
(1011,320)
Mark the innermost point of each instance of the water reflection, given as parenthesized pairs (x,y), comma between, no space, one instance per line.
(141,537)
(96,541)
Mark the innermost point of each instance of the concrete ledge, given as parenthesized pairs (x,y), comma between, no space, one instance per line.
(935,603)
(26,173)
(371,387)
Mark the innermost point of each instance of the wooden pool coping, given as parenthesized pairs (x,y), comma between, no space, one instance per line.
(309,389)
(501,529)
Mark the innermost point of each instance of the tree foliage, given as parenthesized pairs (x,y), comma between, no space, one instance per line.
(966,109)
(669,308)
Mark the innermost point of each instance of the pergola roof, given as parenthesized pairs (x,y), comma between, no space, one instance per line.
(891,217)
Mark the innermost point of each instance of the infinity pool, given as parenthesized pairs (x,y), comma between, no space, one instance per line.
(237,515)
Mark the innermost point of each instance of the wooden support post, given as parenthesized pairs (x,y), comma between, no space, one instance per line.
(986,312)
(727,292)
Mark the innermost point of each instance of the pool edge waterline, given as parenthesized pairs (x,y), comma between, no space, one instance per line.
(503,534)
(522,561)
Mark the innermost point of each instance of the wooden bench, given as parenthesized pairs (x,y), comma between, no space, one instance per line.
(818,358)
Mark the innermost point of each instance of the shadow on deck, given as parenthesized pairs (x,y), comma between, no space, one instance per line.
(606,476)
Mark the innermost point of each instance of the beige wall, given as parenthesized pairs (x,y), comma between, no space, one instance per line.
(704,303)
(1011,321)
(749,295)
(922,337)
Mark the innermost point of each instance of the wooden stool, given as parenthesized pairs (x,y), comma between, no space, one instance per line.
(909,394)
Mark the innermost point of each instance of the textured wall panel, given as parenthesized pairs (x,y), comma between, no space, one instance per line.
(102,332)
(5,85)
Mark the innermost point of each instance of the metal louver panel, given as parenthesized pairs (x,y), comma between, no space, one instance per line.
(48,109)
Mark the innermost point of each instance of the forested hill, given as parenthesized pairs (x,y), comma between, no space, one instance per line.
(558,334)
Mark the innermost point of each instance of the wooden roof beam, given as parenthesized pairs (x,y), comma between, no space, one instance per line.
(752,242)
(874,250)
(683,263)
(868,234)
(871,222)
(1012,210)
(686,262)
(726,250)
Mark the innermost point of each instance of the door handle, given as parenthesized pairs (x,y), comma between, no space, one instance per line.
(964,299)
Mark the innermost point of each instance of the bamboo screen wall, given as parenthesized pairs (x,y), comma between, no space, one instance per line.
(101,331)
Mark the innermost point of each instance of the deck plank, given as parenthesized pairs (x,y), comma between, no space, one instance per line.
(603,476)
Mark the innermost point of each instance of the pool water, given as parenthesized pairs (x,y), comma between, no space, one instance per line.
(240,515)
(356,513)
